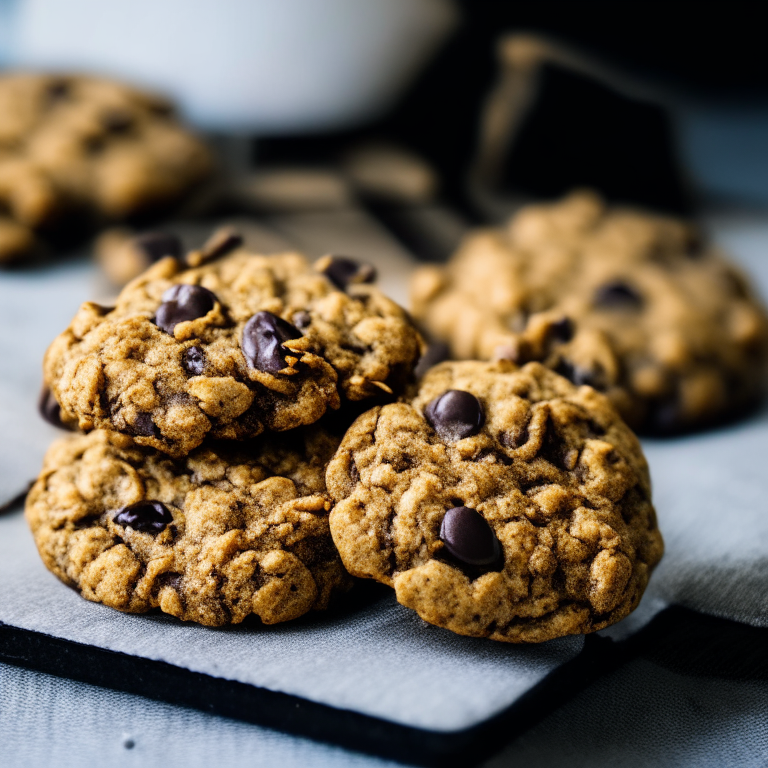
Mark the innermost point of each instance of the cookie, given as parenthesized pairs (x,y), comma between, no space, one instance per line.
(501,502)
(77,150)
(240,344)
(630,303)
(226,532)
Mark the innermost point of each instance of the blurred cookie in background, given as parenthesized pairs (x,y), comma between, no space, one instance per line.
(633,304)
(78,151)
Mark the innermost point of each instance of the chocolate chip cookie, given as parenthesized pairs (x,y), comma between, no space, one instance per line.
(76,150)
(239,344)
(226,532)
(630,303)
(501,502)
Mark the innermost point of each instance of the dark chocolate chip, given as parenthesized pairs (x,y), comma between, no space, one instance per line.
(695,246)
(302,319)
(58,89)
(516,437)
(220,243)
(435,353)
(468,537)
(144,516)
(263,338)
(193,360)
(618,295)
(577,374)
(158,245)
(343,272)
(50,409)
(455,415)
(117,120)
(183,302)
(143,426)
(562,330)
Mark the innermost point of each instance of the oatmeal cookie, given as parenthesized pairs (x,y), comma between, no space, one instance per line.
(239,344)
(502,502)
(630,303)
(75,150)
(223,533)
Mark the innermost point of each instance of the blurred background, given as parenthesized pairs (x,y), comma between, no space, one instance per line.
(436,113)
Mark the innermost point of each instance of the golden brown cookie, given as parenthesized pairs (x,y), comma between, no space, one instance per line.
(237,345)
(501,502)
(76,150)
(627,302)
(226,532)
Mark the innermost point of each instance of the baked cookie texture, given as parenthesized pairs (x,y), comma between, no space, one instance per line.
(77,150)
(221,534)
(518,509)
(630,303)
(228,349)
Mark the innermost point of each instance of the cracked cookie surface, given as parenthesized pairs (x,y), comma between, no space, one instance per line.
(76,150)
(227,532)
(668,329)
(227,349)
(518,509)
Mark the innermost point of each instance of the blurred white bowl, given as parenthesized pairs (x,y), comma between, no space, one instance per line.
(256,66)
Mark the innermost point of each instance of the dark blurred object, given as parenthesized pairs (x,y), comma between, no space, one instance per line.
(713,50)
(556,120)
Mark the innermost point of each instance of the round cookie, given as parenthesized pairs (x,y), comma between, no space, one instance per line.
(76,149)
(210,538)
(502,502)
(627,302)
(237,345)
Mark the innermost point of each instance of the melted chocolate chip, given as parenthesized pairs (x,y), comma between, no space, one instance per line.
(436,353)
(50,409)
(263,338)
(618,295)
(468,538)
(143,426)
(183,302)
(117,120)
(193,360)
(577,374)
(58,89)
(302,319)
(562,330)
(455,415)
(158,245)
(144,516)
(221,243)
(343,272)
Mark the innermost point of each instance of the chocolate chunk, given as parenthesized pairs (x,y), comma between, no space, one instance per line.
(158,245)
(221,243)
(455,415)
(183,302)
(468,537)
(665,417)
(618,295)
(117,120)
(695,245)
(263,338)
(562,330)
(193,360)
(436,353)
(343,272)
(50,409)
(577,374)
(143,426)
(302,319)
(144,516)
(58,89)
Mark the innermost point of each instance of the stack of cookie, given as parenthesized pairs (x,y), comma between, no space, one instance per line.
(206,394)
(223,473)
